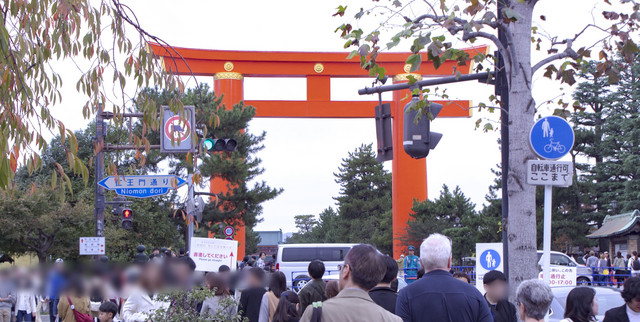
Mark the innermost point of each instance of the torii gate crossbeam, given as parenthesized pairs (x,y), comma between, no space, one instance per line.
(228,68)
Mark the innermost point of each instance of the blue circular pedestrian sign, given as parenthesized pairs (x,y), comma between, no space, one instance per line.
(551,137)
(490,259)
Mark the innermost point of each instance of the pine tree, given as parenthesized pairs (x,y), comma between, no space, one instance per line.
(364,206)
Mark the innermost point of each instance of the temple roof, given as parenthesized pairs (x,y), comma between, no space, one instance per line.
(615,225)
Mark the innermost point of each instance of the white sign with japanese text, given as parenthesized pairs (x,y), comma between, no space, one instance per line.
(211,253)
(549,173)
(562,276)
(91,245)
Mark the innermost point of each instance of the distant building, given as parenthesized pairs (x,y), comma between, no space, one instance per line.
(269,241)
(619,233)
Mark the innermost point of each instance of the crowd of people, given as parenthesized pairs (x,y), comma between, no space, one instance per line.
(365,290)
(612,272)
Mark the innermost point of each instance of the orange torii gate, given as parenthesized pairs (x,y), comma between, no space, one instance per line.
(228,69)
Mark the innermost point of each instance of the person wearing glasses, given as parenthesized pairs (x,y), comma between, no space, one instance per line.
(363,269)
(438,296)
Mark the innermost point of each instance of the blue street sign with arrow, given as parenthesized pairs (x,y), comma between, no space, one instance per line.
(142,186)
(551,137)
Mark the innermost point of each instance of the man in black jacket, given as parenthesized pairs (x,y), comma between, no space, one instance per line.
(383,294)
(314,290)
(630,311)
(251,297)
(495,286)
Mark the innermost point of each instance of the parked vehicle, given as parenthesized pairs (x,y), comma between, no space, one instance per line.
(293,260)
(608,298)
(584,274)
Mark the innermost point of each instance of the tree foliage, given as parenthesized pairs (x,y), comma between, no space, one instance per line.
(433,31)
(109,47)
(454,215)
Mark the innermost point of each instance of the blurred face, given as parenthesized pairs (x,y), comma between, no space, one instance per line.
(263,256)
(634,305)
(105,317)
(594,305)
(496,291)
(412,252)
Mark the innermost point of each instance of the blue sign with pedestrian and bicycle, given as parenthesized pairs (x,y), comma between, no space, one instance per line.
(142,186)
(490,259)
(551,137)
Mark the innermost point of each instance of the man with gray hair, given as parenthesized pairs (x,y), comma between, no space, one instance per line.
(533,299)
(438,296)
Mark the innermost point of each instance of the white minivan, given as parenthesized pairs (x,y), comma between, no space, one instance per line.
(293,260)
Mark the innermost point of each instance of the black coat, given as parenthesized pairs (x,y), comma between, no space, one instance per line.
(618,314)
(250,303)
(385,297)
(504,311)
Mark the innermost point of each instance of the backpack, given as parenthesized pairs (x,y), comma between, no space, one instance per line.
(317,312)
(636,264)
(80,317)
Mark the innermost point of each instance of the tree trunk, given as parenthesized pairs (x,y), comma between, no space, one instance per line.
(42,258)
(521,227)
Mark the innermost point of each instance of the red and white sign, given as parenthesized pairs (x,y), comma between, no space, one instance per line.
(211,253)
(561,276)
(92,246)
(228,231)
(177,128)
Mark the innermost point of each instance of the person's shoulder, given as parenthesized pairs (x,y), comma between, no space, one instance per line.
(615,312)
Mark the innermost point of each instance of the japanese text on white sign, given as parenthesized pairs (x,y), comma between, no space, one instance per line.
(561,276)
(549,173)
(210,253)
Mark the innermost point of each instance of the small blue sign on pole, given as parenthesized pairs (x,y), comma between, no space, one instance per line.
(490,259)
(142,186)
(551,137)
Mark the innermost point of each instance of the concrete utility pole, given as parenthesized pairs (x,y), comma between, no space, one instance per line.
(101,132)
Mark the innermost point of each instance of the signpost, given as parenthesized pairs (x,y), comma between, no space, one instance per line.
(211,253)
(551,138)
(177,131)
(142,186)
(91,245)
(488,257)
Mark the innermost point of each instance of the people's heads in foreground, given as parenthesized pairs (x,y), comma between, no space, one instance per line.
(631,293)
(277,283)
(391,271)
(495,286)
(332,289)
(363,268)
(435,253)
(462,276)
(533,299)
(582,304)
(287,306)
(216,283)
(316,269)
(107,311)
(255,277)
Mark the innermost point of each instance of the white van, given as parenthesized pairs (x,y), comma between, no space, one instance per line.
(293,260)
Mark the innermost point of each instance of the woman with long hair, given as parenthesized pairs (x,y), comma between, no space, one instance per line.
(213,305)
(287,310)
(277,285)
(582,305)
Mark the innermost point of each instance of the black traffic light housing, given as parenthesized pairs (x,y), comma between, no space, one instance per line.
(219,145)
(418,139)
(126,218)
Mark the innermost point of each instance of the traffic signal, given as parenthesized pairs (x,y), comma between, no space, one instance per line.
(126,219)
(384,135)
(219,145)
(418,139)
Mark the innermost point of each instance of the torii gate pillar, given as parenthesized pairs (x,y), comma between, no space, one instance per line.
(231,86)
(409,175)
